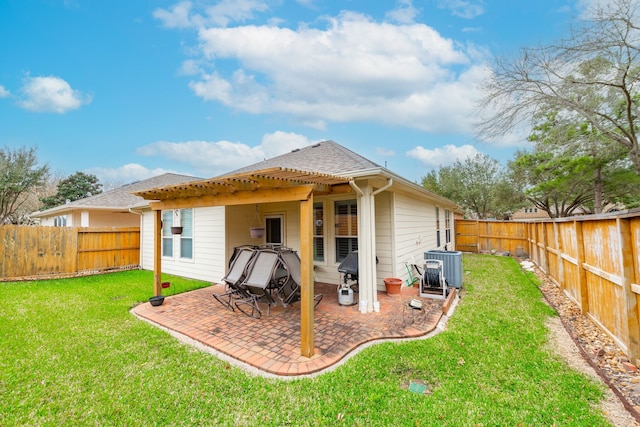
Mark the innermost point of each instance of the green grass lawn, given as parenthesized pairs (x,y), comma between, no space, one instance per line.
(71,353)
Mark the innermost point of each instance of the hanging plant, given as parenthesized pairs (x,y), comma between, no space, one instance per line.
(256,230)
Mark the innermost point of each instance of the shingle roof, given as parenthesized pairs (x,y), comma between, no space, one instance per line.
(121,197)
(324,157)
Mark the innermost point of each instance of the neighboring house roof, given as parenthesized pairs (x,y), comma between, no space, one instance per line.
(324,157)
(121,198)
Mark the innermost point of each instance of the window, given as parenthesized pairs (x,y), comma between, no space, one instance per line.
(437,227)
(447,225)
(60,221)
(318,232)
(186,238)
(274,230)
(167,237)
(346,223)
(178,218)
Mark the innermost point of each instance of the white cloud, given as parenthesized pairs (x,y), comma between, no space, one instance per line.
(177,17)
(50,94)
(224,12)
(4,93)
(467,9)
(212,158)
(404,75)
(443,156)
(127,173)
(404,13)
(227,11)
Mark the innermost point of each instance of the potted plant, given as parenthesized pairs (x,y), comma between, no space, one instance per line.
(393,285)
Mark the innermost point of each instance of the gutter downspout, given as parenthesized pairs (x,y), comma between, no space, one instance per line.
(376,303)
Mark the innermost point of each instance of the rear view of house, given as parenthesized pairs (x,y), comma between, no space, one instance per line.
(324,201)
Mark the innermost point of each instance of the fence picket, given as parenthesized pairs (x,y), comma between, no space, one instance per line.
(594,259)
(42,252)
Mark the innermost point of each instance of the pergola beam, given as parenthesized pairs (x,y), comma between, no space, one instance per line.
(240,198)
(157,253)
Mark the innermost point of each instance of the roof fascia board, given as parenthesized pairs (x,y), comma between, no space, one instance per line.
(410,187)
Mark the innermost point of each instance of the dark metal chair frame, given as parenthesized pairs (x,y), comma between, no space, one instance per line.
(238,267)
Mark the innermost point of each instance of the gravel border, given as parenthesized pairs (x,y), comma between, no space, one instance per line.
(588,349)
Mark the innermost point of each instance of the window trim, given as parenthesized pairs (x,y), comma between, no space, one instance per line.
(319,207)
(281,218)
(438,239)
(167,237)
(183,237)
(351,238)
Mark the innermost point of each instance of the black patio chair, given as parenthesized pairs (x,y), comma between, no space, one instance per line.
(241,260)
(259,279)
(289,292)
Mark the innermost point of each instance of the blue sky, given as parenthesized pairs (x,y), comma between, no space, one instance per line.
(130,89)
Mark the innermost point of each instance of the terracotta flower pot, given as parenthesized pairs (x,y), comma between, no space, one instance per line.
(393,285)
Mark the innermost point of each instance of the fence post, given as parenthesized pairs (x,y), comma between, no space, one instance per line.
(631,302)
(157,252)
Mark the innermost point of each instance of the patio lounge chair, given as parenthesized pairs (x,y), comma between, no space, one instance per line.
(289,292)
(259,278)
(233,280)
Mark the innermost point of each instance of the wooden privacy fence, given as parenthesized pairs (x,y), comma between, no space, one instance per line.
(44,252)
(594,259)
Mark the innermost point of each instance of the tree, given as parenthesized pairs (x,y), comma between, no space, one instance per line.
(478,184)
(556,184)
(19,176)
(592,76)
(75,187)
(573,167)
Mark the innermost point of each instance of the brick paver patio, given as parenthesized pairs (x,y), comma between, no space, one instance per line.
(271,344)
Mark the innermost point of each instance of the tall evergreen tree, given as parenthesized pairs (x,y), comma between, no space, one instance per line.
(74,187)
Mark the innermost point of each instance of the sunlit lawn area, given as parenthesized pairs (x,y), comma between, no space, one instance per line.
(71,353)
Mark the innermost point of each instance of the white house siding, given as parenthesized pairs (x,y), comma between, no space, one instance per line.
(414,231)
(208,261)
(113,219)
(48,221)
(241,218)
(146,240)
(384,237)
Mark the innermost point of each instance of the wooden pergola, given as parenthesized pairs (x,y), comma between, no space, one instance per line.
(262,186)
